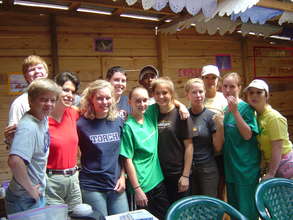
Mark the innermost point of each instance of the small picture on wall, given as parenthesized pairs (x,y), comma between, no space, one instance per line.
(103,44)
(17,83)
(223,62)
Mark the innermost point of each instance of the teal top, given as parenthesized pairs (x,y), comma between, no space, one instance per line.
(139,143)
(241,157)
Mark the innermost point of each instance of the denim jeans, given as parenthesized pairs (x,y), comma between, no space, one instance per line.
(105,203)
(205,178)
(14,203)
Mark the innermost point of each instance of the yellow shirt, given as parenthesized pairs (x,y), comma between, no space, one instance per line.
(273,126)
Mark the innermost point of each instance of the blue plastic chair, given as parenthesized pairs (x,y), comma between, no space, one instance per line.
(201,207)
(274,199)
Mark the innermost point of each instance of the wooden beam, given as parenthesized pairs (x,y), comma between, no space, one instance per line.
(285,6)
(54,45)
(7,3)
(244,60)
(162,46)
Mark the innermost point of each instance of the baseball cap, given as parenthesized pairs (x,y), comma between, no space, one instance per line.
(259,84)
(144,70)
(210,69)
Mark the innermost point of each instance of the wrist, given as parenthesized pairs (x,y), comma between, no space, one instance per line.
(185,176)
(137,187)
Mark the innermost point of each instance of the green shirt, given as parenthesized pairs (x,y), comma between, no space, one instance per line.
(241,157)
(273,126)
(139,143)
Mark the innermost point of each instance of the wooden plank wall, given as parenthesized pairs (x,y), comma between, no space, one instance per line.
(135,45)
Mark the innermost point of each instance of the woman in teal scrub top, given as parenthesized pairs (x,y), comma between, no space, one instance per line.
(241,153)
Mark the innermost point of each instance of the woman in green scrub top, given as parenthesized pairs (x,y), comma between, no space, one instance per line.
(240,149)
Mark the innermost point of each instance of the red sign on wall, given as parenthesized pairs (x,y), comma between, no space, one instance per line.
(189,72)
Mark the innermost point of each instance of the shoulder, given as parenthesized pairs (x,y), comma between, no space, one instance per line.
(272,114)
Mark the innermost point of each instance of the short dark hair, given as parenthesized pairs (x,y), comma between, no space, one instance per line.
(62,78)
(114,70)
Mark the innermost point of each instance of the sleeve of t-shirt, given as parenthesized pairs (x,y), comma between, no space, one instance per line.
(22,146)
(185,128)
(152,113)
(15,113)
(127,148)
(250,118)
(277,129)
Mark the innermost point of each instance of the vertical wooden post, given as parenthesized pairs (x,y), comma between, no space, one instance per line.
(54,45)
(162,46)
(244,61)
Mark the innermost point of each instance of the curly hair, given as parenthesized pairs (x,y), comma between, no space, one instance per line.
(87,108)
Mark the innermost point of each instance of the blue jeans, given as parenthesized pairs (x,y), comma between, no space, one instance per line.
(105,203)
(14,203)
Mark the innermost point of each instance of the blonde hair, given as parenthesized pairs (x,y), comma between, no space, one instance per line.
(31,61)
(189,83)
(166,81)
(234,75)
(87,108)
(41,86)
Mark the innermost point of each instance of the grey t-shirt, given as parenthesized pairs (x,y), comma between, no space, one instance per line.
(203,141)
(31,143)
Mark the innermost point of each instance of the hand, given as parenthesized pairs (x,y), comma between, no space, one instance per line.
(140,198)
(9,132)
(183,184)
(183,111)
(120,185)
(232,104)
(218,119)
(35,192)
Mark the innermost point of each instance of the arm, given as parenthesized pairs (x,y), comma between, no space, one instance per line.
(183,111)
(276,158)
(218,136)
(243,128)
(140,197)
(183,182)
(120,185)
(20,174)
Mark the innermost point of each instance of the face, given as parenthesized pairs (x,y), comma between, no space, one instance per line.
(118,81)
(162,95)
(147,79)
(196,94)
(35,72)
(230,87)
(256,97)
(102,102)
(68,93)
(139,101)
(43,105)
(210,81)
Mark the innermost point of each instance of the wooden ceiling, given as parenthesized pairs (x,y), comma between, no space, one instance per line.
(118,7)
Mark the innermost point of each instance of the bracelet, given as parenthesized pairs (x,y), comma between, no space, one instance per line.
(185,176)
(136,187)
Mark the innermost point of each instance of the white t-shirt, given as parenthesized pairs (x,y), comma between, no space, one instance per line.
(216,104)
(18,108)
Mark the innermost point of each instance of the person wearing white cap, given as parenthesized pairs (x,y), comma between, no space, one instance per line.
(274,138)
(216,102)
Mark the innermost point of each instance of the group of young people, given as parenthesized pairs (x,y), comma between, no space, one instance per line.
(147,142)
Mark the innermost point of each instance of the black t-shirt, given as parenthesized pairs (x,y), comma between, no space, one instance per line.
(203,141)
(172,132)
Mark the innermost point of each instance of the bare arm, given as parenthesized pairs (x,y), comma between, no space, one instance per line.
(19,171)
(140,197)
(218,136)
(183,182)
(243,128)
(183,111)
(276,158)
(120,185)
